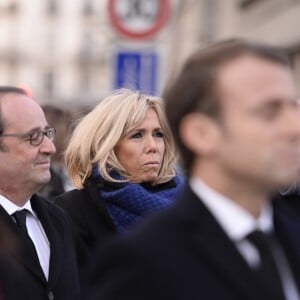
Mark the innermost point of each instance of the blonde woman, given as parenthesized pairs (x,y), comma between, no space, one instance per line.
(121,159)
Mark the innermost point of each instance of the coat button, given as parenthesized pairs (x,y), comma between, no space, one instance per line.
(50,295)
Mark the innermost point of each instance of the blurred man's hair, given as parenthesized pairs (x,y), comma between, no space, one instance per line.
(196,87)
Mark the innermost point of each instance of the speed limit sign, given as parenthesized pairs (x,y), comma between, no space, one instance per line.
(138,19)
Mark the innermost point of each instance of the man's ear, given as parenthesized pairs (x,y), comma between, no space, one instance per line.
(3,148)
(200,133)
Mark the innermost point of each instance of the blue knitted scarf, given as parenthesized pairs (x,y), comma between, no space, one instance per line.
(128,203)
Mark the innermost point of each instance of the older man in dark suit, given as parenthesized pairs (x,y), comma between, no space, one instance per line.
(234,115)
(46,255)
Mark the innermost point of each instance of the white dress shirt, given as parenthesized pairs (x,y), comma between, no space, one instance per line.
(35,231)
(237,223)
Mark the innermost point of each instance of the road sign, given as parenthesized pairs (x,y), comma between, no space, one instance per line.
(138,19)
(136,70)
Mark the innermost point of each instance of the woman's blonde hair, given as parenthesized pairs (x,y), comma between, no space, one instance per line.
(96,135)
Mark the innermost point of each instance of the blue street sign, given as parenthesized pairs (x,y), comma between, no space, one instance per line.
(136,71)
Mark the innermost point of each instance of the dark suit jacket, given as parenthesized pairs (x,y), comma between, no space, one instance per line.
(11,275)
(183,254)
(63,281)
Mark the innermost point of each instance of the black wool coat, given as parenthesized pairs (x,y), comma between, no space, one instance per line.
(183,253)
(63,281)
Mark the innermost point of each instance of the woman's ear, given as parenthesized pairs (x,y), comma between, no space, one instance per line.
(200,133)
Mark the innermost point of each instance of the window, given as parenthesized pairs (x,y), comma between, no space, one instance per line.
(49,83)
(52,7)
(246,3)
(88,8)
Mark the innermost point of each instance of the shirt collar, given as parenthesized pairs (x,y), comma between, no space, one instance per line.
(234,219)
(11,208)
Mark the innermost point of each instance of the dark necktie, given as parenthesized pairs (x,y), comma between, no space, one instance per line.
(20,217)
(267,272)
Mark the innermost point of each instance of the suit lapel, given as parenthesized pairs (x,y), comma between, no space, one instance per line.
(216,248)
(54,231)
(24,254)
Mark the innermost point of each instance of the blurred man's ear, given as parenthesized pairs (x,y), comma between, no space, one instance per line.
(200,133)
(3,148)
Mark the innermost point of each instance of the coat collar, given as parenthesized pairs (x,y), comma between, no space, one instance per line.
(287,228)
(54,231)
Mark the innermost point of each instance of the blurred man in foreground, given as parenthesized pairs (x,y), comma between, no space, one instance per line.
(235,118)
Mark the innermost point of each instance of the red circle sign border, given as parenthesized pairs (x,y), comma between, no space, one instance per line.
(164,13)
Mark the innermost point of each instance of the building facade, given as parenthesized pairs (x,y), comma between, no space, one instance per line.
(64,50)
(273,22)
